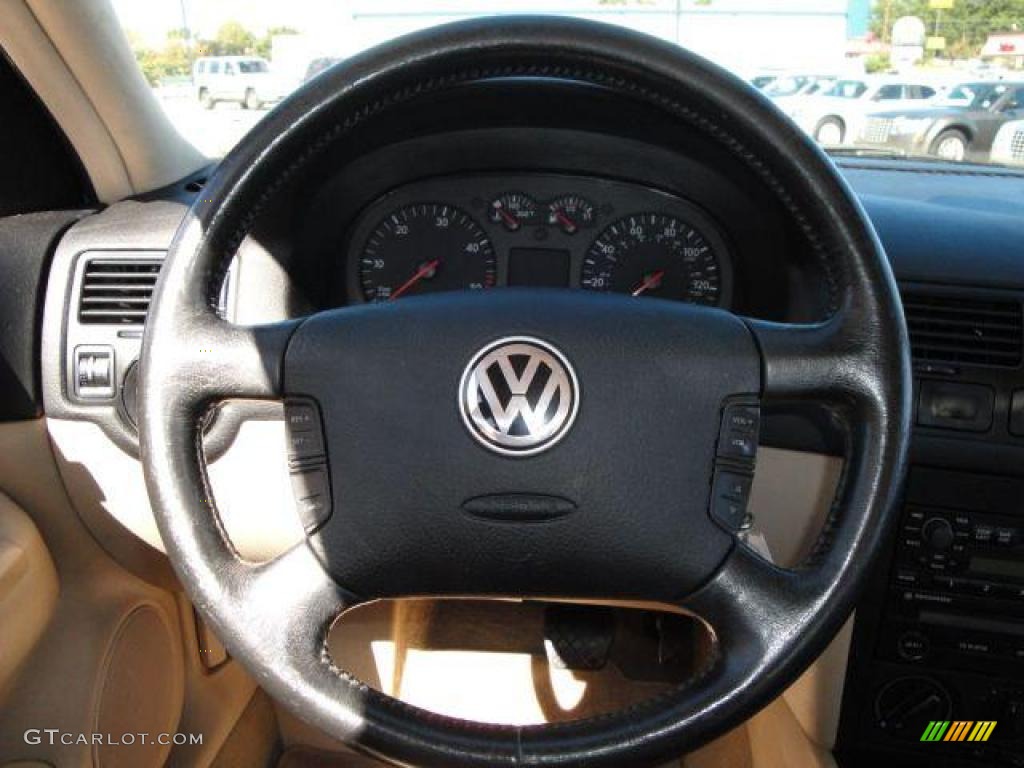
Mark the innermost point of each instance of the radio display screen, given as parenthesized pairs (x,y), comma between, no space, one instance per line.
(993,566)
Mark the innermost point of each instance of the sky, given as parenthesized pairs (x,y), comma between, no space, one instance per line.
(151,19)
(741,34)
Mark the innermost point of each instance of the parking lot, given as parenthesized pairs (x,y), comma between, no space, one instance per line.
(963,117)
(212,131)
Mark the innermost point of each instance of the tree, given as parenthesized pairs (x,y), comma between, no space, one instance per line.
(264,44)
(176,56)
(965,26)
(232,40)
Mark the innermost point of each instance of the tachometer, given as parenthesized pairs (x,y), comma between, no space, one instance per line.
(423,248)
(654,254)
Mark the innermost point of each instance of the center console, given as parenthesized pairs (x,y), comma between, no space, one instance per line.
(939,635)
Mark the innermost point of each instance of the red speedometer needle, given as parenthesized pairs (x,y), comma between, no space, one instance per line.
(652,280)
(422,272)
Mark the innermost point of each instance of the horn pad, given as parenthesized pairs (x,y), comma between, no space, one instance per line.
(586,422)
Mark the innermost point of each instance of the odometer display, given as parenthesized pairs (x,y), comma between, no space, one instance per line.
(424,248)
(658,255)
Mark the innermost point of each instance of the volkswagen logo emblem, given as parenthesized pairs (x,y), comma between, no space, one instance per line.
(518,396)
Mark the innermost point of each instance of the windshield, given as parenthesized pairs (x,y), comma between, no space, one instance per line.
(201,56)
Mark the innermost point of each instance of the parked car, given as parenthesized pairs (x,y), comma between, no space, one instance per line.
(961,94)
(793,86)
(951,132)
(318,65)
(835,116)
(762,81)
(244,79)
(1008,146)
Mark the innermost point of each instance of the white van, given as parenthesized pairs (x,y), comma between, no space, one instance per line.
(245,79)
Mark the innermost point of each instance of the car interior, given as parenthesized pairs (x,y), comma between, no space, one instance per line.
(522,391)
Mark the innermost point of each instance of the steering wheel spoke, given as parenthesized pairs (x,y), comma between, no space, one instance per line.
(219,360)
(825,362)
(752,606)
(302,595)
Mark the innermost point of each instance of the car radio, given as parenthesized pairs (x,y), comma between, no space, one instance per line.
(957,587)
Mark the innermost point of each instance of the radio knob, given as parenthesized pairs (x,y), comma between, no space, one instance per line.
(937,533)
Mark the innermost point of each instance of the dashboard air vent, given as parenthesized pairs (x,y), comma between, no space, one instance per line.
(957,329)
(117,291)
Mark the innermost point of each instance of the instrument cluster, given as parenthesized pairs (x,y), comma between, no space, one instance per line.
(480,232)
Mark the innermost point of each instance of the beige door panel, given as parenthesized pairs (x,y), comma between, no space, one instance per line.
(119,654)
(28,588)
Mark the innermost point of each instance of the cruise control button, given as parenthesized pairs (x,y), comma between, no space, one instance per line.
(304,445)
(312,491)
(301,417)
(305,437)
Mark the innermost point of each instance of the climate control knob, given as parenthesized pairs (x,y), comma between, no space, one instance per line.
(937,533)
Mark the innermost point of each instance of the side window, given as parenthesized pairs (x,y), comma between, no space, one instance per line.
(1014,101)
(229,68)
(214,67)
(201,68)
(920,92)
(889,92)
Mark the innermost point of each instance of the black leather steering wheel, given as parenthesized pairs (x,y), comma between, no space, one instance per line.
(423,507)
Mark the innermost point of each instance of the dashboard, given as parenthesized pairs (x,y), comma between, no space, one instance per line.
(591,199)
(537,230)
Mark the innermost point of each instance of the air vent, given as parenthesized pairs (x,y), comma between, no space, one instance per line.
(971,331)
(117,291)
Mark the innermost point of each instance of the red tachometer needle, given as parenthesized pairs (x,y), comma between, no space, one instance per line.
(653,280)
(422,272)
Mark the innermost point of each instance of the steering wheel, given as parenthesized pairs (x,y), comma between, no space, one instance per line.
(491,443)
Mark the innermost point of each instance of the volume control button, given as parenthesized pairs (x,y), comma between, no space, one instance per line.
(937,533)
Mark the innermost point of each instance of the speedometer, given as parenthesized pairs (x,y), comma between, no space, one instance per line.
(655,254)
(423,248)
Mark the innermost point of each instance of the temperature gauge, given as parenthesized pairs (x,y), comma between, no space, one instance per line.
(513,210)
(570,213)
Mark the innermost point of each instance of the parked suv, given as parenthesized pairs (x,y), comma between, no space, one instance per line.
(950,132)
(245,79)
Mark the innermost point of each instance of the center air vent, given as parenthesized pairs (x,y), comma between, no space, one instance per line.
(117,291)
(971,331)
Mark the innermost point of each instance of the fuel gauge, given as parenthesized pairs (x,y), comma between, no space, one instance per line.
(570,213)
(513,210)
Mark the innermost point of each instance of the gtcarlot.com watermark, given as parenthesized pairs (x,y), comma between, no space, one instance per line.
(52,736)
